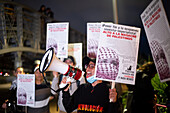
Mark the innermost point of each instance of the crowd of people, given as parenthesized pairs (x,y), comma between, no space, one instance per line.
(46,11)
(88,94)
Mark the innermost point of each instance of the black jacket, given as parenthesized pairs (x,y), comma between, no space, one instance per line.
(88,99)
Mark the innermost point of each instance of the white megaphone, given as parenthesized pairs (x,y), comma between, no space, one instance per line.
(50,62)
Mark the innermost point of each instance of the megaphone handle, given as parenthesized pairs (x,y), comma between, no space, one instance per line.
(112,87)
(58,90)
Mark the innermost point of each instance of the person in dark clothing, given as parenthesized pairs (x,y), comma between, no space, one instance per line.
(43,16)
(91,97)
(11,102)
(49,13)
(63,80)
(143,92)
(42,10)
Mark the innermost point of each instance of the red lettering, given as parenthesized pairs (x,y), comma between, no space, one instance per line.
(79,107)
(101,109)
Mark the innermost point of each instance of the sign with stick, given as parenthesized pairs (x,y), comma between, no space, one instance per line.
(157,30)
(117,53)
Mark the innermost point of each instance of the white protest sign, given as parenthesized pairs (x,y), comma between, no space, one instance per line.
(117,53)
(57,37)
(75,50)
(158,33)
(93,34)
(25,89)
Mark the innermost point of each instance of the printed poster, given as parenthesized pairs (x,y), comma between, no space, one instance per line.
(75,50)
(26,89)
(117,53)
(57,37)
(93,34)
(158,33)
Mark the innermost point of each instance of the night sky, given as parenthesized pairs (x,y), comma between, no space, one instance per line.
(79,12)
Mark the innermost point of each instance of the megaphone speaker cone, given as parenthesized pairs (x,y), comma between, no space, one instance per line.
(50,62)
(46,60)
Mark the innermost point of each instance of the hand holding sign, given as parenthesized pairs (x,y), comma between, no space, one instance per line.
(113,93)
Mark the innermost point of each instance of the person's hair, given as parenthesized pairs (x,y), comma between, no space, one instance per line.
(71,58)
(41,7)
(148,68)
(86,61)
(18,68)
(48,9)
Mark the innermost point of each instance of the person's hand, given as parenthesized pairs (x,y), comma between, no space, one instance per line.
(51,98)
(64,80)
(55,74)
(113,95)
(4,105)
(68,86)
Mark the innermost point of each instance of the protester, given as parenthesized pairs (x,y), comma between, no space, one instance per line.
(91,97)
(43,94)
(12,99)
(63,81)
(143,92)
(42,10)
(49,13)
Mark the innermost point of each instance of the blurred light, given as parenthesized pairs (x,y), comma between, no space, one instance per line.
(37,62)
(6,74)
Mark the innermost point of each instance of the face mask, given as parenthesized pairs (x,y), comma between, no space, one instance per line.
(91,79)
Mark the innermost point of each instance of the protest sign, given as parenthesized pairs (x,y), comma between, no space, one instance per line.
(117,53)
(57,37)
(158,34)
(93,34)
(25,89)
(75,50)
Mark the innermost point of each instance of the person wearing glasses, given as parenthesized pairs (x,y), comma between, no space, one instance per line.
(93,96)
(63,80)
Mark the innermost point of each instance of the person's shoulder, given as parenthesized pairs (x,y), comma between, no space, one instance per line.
(43,85)
(105,85)
(85,85)
(46,83)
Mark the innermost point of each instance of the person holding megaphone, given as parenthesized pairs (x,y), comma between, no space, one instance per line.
(50,62)
(64,80)
(92,97)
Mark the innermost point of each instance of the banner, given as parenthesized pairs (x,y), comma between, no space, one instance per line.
(75,50)
(117,53)
(93,34)
(57,37)
(25,89)
(158,33)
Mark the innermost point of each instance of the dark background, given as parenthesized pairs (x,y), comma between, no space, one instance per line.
(79,12)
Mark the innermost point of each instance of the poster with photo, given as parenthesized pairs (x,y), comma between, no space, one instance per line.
(26,89)
(117,53)
(93,34)
(57,37)
(157,30)
(75,50)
